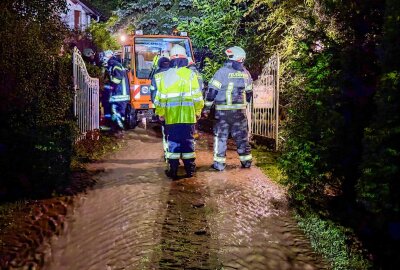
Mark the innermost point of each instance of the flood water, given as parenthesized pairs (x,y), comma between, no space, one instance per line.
(136,218)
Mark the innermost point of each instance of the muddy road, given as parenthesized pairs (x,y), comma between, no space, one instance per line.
(136,218)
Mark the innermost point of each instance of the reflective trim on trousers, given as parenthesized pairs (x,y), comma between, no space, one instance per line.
(188,155)
(216,157)
(164,141)
(119,98)
(116,116)
(220,159)
(231,107)
(170,155)
(245,158)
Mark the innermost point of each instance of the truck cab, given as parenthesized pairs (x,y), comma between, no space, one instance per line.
(138,57)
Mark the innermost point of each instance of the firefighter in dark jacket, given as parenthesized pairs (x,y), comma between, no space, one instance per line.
(117,87)
(230,90)
(162,64)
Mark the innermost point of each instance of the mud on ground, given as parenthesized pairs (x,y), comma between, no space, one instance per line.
(134,217)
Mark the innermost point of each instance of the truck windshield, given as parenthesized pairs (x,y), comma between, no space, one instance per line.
(147,48)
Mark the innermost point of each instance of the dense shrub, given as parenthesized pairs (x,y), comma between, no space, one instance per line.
(102,36)
(215,27)
(340,91)
(379,184)
(35,97)
(154,17)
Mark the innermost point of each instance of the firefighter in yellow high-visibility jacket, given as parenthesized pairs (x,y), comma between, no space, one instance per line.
(179,102)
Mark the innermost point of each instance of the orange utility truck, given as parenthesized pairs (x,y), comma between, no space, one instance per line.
(139,54)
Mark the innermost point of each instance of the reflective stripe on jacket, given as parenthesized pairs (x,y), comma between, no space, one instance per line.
(229,87)
(119,79)
(179,98)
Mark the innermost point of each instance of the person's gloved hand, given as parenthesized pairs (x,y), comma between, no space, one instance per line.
(109,87)
(206,113)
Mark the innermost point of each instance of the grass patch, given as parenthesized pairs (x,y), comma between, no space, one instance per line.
(334,242)
(267,161)
(92,150)
(337,244)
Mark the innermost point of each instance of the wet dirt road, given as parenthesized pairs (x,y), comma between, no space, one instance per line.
(136,218)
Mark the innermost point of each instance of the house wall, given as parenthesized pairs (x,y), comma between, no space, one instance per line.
(69,18)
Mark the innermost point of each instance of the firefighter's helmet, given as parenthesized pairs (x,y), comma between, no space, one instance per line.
(88,52)
(106,55)
(236,53)
(164,54)
(178,52)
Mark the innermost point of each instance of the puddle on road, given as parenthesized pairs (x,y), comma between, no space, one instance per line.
(136,218)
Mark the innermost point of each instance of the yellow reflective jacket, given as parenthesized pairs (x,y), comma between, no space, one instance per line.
(179,99)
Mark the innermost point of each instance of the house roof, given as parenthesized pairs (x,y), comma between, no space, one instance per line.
(87,5)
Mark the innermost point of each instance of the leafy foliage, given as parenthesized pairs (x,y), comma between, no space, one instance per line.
(105,6)
(102,36)
(339,80)
(331,65)
(379,183)
(330,240)
(35,96)
(155,16)
(215,28)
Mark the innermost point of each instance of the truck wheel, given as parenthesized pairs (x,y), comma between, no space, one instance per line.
(130,117)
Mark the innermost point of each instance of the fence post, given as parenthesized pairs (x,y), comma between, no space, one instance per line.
(277,103)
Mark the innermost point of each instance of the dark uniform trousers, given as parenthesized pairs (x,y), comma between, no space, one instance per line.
(180,145)
(232,122)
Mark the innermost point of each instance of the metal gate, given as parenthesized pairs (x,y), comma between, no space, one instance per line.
(86,102)
(263,112)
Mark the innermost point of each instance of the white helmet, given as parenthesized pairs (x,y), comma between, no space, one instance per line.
(178,52)
(88,52)
(106,56)
(164,54)
(236,53)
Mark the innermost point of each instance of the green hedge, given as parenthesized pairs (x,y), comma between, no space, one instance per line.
(37,125)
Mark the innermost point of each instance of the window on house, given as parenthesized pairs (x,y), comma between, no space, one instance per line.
(77,19)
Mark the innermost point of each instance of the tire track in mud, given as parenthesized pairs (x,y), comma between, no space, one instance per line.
(136,218)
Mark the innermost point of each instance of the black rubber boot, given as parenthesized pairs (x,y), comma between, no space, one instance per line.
(190,167)
(172,171)
(218,166)
(246,164)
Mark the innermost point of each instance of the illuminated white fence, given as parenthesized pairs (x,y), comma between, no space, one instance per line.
(86,102)
(263,112)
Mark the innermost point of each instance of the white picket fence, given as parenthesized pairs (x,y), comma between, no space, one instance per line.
(263,112)
(86,102)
